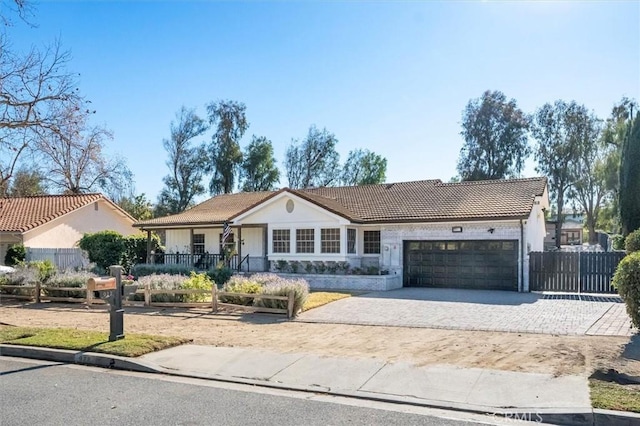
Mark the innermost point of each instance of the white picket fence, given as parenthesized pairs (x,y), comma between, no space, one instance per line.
(63,258)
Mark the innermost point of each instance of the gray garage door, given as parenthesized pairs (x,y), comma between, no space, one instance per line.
(462,264)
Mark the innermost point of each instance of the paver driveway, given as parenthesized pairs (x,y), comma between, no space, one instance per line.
(480,310)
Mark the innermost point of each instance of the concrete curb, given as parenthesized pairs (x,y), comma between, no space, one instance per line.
(579,416)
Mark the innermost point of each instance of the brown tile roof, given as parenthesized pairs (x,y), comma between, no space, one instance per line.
(25,213)
(418,201)
(214,210)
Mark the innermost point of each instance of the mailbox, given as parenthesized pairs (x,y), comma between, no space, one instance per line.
(102,288)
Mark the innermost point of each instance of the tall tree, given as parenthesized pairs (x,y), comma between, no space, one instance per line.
(186,164)
(74,159)
(230,123)
(630,179)
(495,134)
(559,129)
(138,206)
(364,167)
(314,161)
(36,94)
(259,171)
(590,186)
(26,183)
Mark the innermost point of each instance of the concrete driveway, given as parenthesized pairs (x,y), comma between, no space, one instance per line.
(480,310)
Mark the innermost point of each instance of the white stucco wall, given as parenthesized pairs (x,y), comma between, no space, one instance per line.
(66,231)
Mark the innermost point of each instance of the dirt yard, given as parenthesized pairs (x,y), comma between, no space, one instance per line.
(558,355)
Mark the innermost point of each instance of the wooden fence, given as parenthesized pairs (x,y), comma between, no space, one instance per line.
(39,293)
(581,272)
(63,258)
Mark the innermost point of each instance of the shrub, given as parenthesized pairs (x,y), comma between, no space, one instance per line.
(617,242)
(239,284)
(135,249)
(282,287)
(282,265)
(632,242)
(294,265)
(23,276)
(15,255)
(197,282)
(320,266)
(308,267)
(145,269)
(627,281)
(105,248)
(46,269)
(162,282)
(68,279)
(220,275)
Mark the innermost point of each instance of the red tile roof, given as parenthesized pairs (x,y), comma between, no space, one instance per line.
(25,213)
(418,201)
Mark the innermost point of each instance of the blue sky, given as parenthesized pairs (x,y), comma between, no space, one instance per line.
(392,77)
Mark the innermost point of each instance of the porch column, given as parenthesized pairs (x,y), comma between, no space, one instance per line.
(192,260)
(148,246)
(239,243)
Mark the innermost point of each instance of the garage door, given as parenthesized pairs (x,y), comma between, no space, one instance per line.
(462,264)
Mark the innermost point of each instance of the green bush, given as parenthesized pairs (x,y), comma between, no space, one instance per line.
(105,248)
(627,281)
(617,242)
(135,249)
(238,284)
(144,269)
(23,276)
(197,282)
(68,279)
(46,269)
(15,255)
(632,242)
(220,275)
(277,286)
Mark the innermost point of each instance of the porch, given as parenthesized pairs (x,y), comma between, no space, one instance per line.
(206,261)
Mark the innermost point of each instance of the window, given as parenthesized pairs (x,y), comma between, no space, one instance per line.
(371,242)
(230,243)
(198,243)
(351,241)
(304,241)
(281,241)
(330,240)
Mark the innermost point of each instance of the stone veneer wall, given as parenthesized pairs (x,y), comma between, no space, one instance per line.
(350,282)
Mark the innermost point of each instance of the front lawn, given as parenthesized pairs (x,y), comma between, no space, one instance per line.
(132,345)
(614,396)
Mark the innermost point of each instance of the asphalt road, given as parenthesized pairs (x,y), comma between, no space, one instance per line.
(42,393)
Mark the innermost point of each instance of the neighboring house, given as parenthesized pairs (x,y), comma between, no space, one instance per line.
(571,233)
(469,234)
(58,221)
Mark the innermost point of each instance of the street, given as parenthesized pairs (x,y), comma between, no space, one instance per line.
(43,393)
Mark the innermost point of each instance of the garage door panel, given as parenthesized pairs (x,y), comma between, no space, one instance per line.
(462,264)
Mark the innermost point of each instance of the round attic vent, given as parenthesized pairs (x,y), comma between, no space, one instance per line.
(290,206)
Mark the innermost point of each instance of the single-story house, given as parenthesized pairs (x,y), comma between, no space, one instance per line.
(430,233)
(58,221)
(571,232)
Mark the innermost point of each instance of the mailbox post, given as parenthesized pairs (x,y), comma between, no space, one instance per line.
(116,312)
(111,290)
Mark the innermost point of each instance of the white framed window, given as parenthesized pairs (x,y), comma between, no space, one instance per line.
(305,241)
(281,241)
(351,241)
(330,240)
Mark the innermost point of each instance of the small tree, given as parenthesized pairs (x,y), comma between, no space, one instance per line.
(627,281)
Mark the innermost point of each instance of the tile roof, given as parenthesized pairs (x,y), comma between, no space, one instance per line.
(25,213)
(418,201)
(215,210)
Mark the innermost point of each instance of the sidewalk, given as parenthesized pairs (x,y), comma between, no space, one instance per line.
(501,394)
